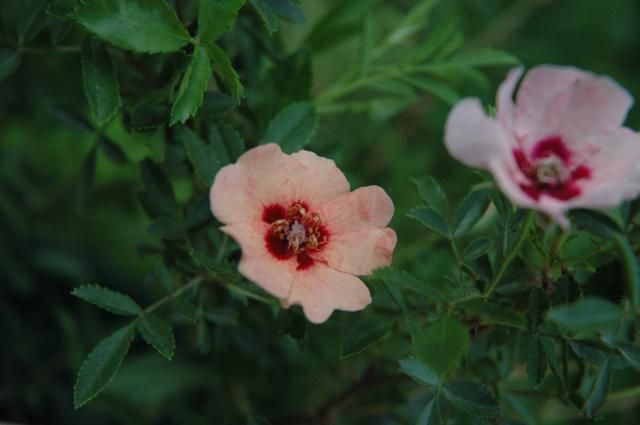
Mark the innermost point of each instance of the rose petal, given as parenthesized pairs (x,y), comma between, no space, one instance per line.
(320,290)
(257,264)
(472,137)
(318,179)
(360,252)
(364,208)
(505,109)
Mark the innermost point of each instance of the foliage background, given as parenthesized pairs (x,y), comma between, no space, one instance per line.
(248,358)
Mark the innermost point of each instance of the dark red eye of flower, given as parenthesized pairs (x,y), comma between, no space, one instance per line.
(294,232)
(550,171)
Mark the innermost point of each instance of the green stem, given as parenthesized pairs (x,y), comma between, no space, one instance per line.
(192,284)
(233,288)
(626,393)
(632,270)
(524,232)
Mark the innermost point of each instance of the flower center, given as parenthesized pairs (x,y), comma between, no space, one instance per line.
(551,171)
(294,232)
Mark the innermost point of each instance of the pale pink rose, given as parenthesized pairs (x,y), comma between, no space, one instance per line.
(560,146)
(304,236)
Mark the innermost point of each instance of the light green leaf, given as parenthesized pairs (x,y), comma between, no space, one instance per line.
(293,127)
(222,66)
(157,333)
(365,334)
(587,314)
(216,16)
(598,394)
(442,344)
(9,61)
(470,212)
(471,397)
(537,363)
(419,372)
(413,22)
(101,365)
(192,87)
(201,155)
(432,194)
(100,81)
(148,26)
(432,219)
(112,301)
(436,88)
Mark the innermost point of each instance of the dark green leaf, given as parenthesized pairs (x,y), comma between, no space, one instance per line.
(101,365)
(432,194)
(157,333)
(442,344)
(470,212)
(419,372)
(214,105)
(430,218)
(100,81)
(494,314)
(409,282)
(631,353)
(365,334)
(598,394)
(227,143)
(293,127)
(430,415)
(596,353)
(9,61)
(112,301)
(162,275)
(73,119)
(158,194)
(112,150)
(587,314)
(477,248)
(269,10)
(596,223)
(479,57)
(536,361)
(257,420)
(436,88)
(538,303)
(216,16)
(149,26)
(192,87)
(472,398)
(222,66)
(85,181)
(201,155)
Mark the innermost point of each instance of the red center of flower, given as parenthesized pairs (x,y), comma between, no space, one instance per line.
(549,170)
(294,232)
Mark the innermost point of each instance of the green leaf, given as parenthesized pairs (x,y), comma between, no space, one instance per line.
(430,415)
(157,333)
(216,16)
(432,194)
(365,334)
(112,301)
(598,394)
(222,66)
(419,372)
(587,314)
(157,197)
(596,223)
(227,143)
(596,353)
(631,353)
(201,155)
(430,218)
(100,81)
(413,21)
(436,88)
(293,127)
(9,61)
(477,248)
(257,420)
(86,179)
(148,26)
(192,87)
(367,42)
(470,212)
(478,57)
(536,361)
(112,150)
(101,365)
(442,344)
(537,304)
(471,397)
(494,314)
(267,14)
(269,10)
(409,282)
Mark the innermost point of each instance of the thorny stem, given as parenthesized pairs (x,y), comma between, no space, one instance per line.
(524,232)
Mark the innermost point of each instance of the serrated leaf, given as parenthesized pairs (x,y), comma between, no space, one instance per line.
(432,219)
(293,127)
(192,87)
(9,62)
(365,334)
(148,26)
(432,194)
(216,16)
(598,393)
(477,248)
(471,397)
(536,361)
(442,344)
(223,67)
(112,301)
(101,365)
(100,81)
(473,207)
(419,372)
(587,314)
(157,333)
(201,155)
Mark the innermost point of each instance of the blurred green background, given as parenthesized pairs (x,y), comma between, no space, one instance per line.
(53,238)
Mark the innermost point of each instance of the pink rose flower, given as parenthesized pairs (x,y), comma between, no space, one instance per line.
(304,236)
(560,146)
